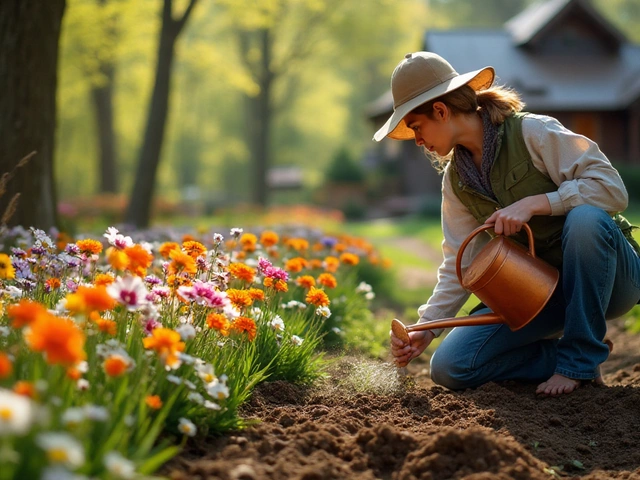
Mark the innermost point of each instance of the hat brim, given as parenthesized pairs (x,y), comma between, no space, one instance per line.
(396,128)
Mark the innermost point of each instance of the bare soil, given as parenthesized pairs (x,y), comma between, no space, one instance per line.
(368,422)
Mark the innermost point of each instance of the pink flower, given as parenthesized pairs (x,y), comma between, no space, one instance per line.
(129,291)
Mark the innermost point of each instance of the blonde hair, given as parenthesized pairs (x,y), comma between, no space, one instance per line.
(500,102)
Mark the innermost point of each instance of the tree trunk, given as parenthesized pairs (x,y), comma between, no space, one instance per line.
(103,102)
(139,209)
(29,36)
(260,111)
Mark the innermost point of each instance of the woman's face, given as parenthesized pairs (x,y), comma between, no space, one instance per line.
(434,134)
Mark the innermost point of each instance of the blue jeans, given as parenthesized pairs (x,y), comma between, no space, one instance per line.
(600,280)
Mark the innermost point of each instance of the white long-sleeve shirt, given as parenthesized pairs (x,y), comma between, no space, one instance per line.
(574,163)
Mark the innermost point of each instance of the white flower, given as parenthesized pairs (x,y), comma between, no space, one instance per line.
(58,472)
(218,389)
(119,466)
(174,379)
(206,373)
(277,324)
(195,397)
(369,295)
(363,287)
(117,239)
(73,416)
(186,331)
(130,291)
(4,331)
(187,427)
(297,340)
(13,292)
(96,413)
(83,384)
(61,448)
(323,312)
(17,413)
(211,405)
(236,232)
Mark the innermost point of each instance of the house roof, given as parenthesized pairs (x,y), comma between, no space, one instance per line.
(535,20)
(547,82)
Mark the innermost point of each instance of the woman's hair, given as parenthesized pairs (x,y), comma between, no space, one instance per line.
(500,102)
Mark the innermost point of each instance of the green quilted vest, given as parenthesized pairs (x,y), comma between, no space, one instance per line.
(514,177)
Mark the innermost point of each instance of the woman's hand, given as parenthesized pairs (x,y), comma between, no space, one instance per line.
(403,353)
(508,220)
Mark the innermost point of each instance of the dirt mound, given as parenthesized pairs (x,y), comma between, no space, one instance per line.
(368,422)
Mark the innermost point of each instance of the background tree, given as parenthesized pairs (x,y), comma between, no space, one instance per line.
(139,209)
(29,35)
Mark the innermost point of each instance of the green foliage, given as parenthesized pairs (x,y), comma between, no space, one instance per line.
(344,169)
(631,176)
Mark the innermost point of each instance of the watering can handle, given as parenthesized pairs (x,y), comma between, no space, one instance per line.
(482,228)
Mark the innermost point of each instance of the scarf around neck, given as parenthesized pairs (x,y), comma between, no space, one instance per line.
(469,174)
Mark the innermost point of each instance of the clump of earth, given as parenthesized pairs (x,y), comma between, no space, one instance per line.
(369,421)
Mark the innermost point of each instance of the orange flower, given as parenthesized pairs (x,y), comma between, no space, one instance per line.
(219,322)
(153,401)
(315,263)
(176,281)
(269,238)
(327,280)
(295,264)
(59,339)
(306,281)
(245,324)
(53,283)
(239,298)
(139,259)
(167,247)
(88,299)
(24,388)
(279,285)
(248,242)
(6,367)
(166,343)
(104,324)
(115,365)
(317,297)
(104,279)
(256,294)
(25,312)
(194,249)
(331,264)
(89,246)
(349,258)
(339,247)
(182,263)
(242,272)
(117,258)
(299,244)
(74,374)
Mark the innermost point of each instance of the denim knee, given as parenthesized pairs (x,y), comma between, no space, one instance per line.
(584,220)
(449,370)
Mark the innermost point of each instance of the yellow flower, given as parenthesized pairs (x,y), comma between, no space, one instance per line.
(248,242)
(182,263)
(7,272)
(194,249)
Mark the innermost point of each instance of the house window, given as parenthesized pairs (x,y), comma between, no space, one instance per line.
(587,124)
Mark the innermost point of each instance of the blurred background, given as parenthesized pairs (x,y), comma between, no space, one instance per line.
(149,111)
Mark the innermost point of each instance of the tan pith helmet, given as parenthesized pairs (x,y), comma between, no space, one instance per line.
(419,78)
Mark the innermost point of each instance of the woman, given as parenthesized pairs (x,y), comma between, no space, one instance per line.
(503,167)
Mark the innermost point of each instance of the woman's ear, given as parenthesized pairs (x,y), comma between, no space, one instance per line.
(440,111)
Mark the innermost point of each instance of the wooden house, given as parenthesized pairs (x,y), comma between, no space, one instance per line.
(563,57)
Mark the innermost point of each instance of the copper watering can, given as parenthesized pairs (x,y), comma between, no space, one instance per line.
(511,281)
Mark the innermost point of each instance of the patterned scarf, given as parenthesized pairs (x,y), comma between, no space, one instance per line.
(469,174)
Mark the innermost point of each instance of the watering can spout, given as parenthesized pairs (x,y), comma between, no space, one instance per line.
(402,331)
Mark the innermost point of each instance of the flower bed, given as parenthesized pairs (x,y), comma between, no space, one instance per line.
(113,352)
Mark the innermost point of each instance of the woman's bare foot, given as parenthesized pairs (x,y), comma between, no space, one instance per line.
(558,385)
